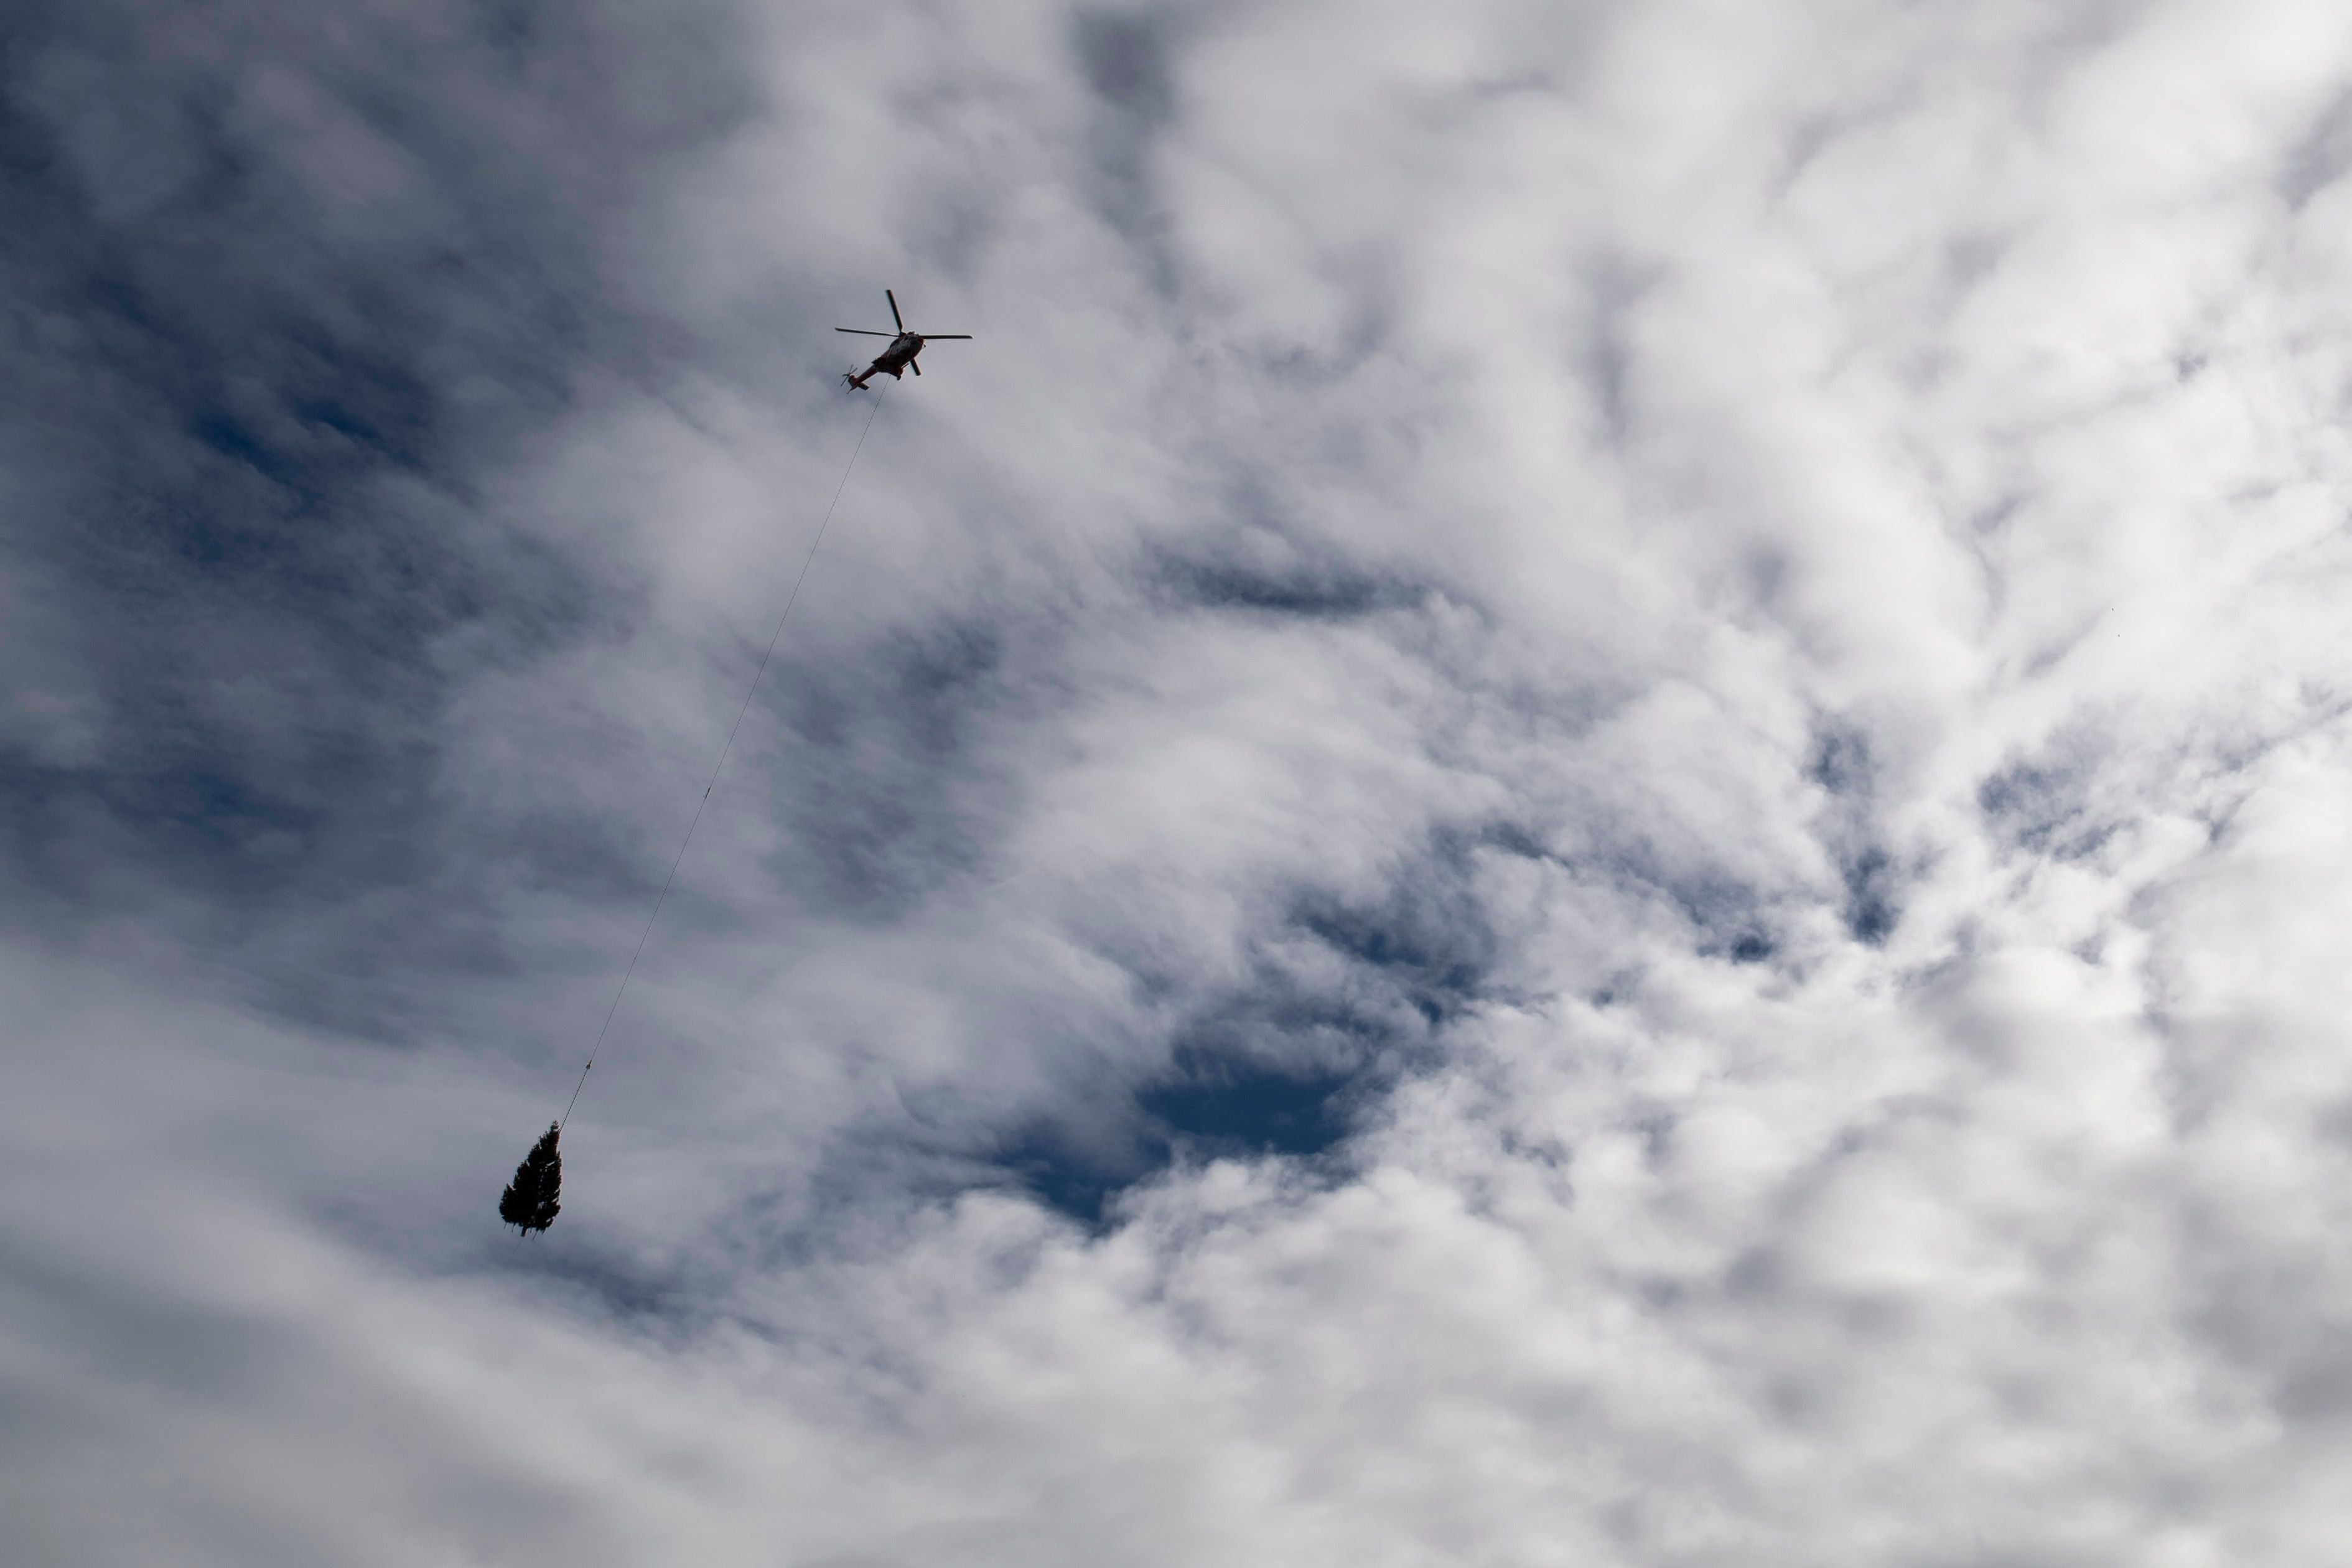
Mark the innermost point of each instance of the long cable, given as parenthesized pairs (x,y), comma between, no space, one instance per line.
(724,752)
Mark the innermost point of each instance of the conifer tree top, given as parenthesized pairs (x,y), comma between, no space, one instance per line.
(530,1203)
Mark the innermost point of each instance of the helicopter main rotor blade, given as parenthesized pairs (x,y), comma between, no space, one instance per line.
(894,309)
(935,337)
(864,332)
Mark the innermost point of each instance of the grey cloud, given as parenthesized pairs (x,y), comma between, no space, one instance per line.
(1512,832)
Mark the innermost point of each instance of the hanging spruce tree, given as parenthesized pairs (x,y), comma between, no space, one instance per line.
(530,1202)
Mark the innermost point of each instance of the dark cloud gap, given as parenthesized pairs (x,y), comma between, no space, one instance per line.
(1429,944)
(1278,576)
(1727,918)
(2042,803)
(1872,911)
(1215,1102)
(1846,767)
(1337,595)
(1252,1112)
(1075,1181)
(1414,957)
(1283,1064)
(1216,1108)
(1512,838)
(1841,761)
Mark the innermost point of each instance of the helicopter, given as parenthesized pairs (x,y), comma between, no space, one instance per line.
(899,356)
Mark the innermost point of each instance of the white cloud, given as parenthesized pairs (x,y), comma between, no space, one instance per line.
(1732,609)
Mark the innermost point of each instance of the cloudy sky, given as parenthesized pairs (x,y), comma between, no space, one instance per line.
(1586,799)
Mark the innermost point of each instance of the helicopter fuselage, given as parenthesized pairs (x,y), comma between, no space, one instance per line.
(893,361)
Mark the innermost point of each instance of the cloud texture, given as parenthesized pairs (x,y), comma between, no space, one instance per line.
(1583,802)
